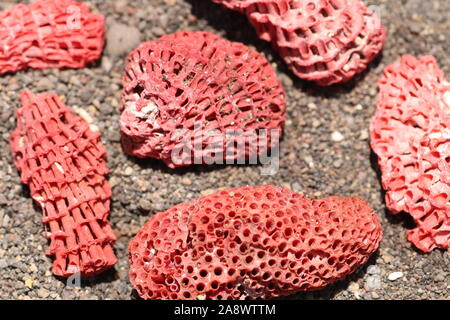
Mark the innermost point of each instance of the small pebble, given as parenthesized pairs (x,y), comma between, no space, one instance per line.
(3,264)
(207,192)
(354,288)
(373,283)
(28,282)
(186,181)
(395,276)
(373,269)
(43,293)
(145,204)
(158,207)
(107,64)
(128,171)
(33,268)
(296,187)
(5,221)
(44,84)
(387,258)
(113,181)
(439,276)
(337,136)
(364,134)
(121,39)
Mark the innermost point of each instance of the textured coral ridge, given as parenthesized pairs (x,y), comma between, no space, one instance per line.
(49,34)
(195,86)
(410,133)
(63,161)
(251,242)
(326,41)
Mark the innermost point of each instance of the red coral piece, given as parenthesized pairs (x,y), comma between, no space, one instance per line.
(326,41)
(410,133)
(63,161)
(251,242)
(49,34)
(197,86)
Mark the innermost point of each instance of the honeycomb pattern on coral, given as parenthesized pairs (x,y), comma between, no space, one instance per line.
(251,242)
(410,133)
(63,161)
(49,34)
(197,91)
(326,41)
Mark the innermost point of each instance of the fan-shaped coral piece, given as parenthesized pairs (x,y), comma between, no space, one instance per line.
(198,92)
(410,133)
(326,41)
(251,242)
(49,34)
(63,161)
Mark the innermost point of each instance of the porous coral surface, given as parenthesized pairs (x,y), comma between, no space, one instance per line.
(63,161)
(251,242)
(49,34)
(191,97)
(410,133)
(326,41)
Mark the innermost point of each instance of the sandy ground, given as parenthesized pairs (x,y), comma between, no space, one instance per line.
(311,161)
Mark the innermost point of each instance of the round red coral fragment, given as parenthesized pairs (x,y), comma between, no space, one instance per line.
(61,158)
(201,94)
(251,242)
(326,41)
(49,34)
(410,133)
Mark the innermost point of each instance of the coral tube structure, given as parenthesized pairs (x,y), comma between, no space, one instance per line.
(61,158)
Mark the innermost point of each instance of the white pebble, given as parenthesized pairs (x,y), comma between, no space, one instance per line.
(337,136)
(364,135)
(395,275)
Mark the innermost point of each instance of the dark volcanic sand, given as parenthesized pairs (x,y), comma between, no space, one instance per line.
(312,162)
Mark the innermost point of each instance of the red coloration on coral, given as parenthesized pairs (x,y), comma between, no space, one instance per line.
(63,161)
(199,88)
(326,41)
(251,242)
(49,34)
(410,133)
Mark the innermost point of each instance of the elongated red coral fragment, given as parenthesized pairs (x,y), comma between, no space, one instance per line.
(326,41)
(63,161)
(190,97)
(49,34)
(410,133)
(251,242)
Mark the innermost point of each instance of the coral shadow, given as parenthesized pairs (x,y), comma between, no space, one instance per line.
(106,276)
